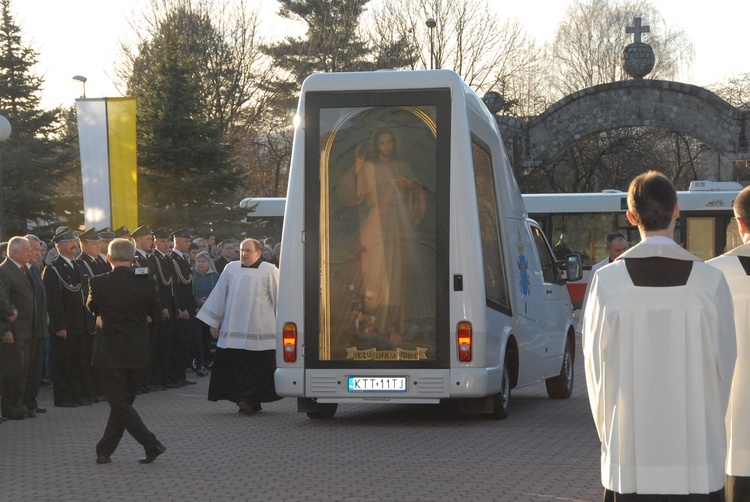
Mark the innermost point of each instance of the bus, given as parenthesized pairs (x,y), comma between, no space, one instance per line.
(409,270)
(265,216)
(580,221)
(706,226)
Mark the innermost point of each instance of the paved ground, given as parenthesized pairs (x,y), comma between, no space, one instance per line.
(545,451)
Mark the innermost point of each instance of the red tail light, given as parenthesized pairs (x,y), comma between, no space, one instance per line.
(290,342)
(464,336)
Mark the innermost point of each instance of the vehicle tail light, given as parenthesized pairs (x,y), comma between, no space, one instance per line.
(290,342)
(464,336)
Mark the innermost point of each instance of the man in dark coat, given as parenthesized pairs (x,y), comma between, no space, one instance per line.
(184,303)
(69,322)
(38,346)
(16,343)
(124,303)
(91,262)
(161,264)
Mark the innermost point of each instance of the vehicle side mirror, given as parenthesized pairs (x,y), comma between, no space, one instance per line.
(572,268)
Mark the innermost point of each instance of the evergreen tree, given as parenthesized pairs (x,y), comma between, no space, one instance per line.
(34,159)
(186,177)
(333,41)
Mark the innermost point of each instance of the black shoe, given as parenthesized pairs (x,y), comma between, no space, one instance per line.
(152,453)
(67,405)
(188,382)
(41,410)
(172,385)
(17,416)
(84,402)
(101,459)
(31,414)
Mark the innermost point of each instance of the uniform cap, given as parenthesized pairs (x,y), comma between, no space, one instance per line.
(183,232)
(122,232)
(142,230)
(90,235)
(162,233)
(107,233)
(63,234)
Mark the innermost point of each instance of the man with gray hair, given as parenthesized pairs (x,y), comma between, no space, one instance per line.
(23,294)
(123,303)
(37,346)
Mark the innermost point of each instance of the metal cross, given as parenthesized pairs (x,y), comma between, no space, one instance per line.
(637,29)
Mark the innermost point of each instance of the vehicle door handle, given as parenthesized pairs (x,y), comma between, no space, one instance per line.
(549,291)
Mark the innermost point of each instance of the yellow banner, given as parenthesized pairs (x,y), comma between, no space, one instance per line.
(123,161)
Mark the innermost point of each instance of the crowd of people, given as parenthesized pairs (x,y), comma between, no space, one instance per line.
(48,331)
(664,339)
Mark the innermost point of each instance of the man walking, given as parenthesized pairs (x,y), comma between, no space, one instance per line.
(241,311)
(123,304)
(659,352)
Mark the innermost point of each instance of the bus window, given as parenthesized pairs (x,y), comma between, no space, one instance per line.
(545,257)
(733,238)
(584,233)
(495,285)
(377,233)
(700,236)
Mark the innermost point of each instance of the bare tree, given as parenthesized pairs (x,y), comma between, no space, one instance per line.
(468,38)
(735,91)
(589,42)
(224,41)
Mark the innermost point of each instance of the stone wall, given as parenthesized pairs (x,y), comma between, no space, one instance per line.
(684,108)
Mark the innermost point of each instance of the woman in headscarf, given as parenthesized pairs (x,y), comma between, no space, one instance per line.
(205,278)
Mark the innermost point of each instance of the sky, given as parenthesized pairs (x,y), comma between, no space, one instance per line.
(82,37)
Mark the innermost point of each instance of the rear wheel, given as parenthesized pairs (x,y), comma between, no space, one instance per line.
(561,386)
(501,400)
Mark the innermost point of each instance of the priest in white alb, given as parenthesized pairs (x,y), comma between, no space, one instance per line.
(241,312)
(736,267)
(659,352)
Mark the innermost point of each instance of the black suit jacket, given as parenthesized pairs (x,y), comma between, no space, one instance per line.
(183,284)
(26,298)
(162,267)
(41,301)
(91,265)
(6,310)
(122,301)
(66,287)
(220,263)
(140,261)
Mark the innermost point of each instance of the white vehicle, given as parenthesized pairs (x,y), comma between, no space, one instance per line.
(706,225)
(409,271)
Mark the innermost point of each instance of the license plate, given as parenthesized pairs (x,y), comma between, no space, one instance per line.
(377,384)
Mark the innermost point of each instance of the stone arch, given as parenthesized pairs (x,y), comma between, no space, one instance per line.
(683,108)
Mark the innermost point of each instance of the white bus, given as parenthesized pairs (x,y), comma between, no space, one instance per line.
(706,226)
(409,270)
